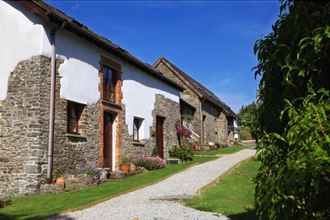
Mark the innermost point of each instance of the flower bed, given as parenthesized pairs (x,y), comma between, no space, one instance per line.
(150,163)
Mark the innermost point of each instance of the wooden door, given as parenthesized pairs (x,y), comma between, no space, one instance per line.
(160,136)
(107,136)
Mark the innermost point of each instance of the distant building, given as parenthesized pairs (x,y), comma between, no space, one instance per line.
(210,119)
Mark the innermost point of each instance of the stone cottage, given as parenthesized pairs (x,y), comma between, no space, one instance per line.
(71,100)
(210,120)
(101,102)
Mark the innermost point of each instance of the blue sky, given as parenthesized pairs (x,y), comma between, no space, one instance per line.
(210,40)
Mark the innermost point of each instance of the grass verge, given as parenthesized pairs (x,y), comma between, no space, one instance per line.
(44,205)
(219,151)
(232,195)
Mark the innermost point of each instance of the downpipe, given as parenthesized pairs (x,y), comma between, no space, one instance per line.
(51,106)
(52,100)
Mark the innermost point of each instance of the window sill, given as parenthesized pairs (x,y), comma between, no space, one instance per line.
(76,137)
(138,143)
(111,104)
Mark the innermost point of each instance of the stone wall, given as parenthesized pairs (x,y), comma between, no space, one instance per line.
(215,124)
(24,131)
(210,123)
(222,129)
(188,96)
(22,151)
(193,100)
(230,131)
(129,147)
(74,154)
(170,110)
(166,108)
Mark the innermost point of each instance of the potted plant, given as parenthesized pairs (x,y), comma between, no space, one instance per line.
(125,165)
(59,177)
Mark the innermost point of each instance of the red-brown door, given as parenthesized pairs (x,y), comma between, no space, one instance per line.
(107,151)
(160,136)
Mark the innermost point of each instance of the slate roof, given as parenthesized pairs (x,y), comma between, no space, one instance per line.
(51,14)
(204,92)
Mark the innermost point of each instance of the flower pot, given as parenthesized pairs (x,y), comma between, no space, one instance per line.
(132,168)
(124,168)
(60,181)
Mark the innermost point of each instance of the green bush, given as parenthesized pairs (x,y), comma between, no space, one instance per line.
(245,133)
(294,179)
(183,153)
(293,120)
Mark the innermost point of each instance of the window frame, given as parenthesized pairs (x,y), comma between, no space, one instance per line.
(78,109)
(136,131)
(109,94)
(115,78)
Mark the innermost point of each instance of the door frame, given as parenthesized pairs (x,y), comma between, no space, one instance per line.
(160,148)
(108,160)
(104,109)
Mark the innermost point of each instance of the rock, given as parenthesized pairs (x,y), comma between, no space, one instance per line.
(103,175)
(51,188)
(117,175)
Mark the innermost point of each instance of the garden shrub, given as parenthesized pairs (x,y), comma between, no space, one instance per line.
(183,153)
(293,122)
(294,179)
(150,163)
(245,133)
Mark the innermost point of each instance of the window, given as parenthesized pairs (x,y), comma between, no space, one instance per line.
(137,121)
(109,83)
(74,114)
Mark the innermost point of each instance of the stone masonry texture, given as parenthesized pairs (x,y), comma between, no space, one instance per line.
(215,123)
(24,131)
(22,150)
(166,108)
(187,96)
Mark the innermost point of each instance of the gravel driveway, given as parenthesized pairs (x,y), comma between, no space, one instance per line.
(159,201)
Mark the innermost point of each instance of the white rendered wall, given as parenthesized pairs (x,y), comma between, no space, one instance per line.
(79,72)
(22,36)
(139,92)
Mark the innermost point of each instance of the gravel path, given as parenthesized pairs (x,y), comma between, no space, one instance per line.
(159,201)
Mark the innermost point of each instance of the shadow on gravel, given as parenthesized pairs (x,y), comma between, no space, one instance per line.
(248,215)
(14,217)
(61,217)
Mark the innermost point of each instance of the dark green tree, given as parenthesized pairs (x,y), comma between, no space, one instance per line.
(248,118)
(294,114)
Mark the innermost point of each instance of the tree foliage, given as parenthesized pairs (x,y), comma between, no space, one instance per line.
(248,119)
(294,114)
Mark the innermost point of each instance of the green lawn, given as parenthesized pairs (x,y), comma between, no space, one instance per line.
(232,195)
(219,151)
(41,206)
